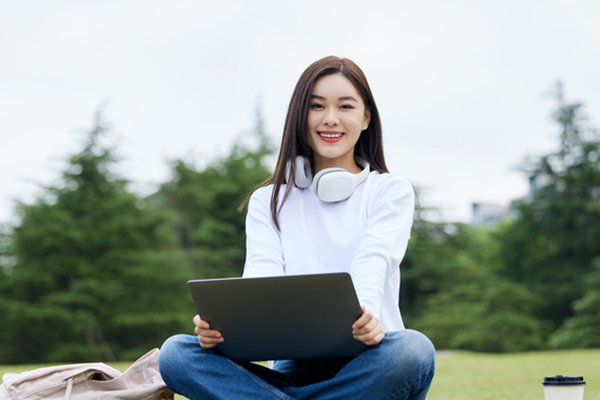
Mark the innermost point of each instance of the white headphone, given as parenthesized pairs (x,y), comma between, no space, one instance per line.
(331,184)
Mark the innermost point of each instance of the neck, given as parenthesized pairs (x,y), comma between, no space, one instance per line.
(348,164)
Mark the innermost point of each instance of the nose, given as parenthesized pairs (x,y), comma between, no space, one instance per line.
(330,118)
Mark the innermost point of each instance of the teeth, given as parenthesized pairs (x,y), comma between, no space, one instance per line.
(330,136)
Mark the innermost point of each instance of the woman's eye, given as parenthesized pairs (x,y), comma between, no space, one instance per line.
(347,107)
(316,106)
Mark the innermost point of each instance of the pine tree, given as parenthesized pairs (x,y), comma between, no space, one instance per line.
(554,242)
(204,203)
(96,271)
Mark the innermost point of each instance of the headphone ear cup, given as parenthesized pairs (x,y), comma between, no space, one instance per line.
(333,184)
(336,184)
(303,172)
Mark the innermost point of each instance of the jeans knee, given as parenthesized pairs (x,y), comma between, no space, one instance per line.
(411,350)
(421,342)
(420,347)
(409,361)
(170,357)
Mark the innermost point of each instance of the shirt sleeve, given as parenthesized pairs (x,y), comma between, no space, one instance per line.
(264,255)
(389,213)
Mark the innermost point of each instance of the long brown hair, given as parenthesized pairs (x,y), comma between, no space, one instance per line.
(294,141)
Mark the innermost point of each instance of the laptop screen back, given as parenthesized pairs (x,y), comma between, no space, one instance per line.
(275,318)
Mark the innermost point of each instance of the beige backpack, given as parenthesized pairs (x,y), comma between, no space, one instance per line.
(91,381)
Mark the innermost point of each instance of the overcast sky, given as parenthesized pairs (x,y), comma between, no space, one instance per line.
(460,84)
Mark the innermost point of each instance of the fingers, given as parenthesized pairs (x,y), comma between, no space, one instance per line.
(207,337)
(371,338)
(363,320)
(367,329)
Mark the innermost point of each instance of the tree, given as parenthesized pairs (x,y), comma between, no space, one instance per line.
(582,329)
(204,204)
(452,292)
(96,272)
(552,244)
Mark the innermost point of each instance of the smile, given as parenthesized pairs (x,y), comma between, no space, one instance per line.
(330,135)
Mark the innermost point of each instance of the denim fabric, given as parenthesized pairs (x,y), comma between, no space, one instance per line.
(400,367)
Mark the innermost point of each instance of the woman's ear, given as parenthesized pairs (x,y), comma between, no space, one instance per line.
(366,120)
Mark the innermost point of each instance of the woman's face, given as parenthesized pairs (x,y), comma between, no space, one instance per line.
(336,118)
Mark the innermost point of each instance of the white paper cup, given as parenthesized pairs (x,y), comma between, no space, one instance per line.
(563,387)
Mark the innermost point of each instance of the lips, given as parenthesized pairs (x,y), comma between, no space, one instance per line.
(330,136)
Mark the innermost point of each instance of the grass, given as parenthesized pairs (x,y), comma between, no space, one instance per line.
(474,376)
(470,376)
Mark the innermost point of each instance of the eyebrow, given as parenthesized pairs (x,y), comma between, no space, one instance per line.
(316,96)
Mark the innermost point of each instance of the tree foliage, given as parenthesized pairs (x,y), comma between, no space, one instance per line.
(582,329)
(205,204)
(96,271)
(531,282)
(453,292)
(553,243)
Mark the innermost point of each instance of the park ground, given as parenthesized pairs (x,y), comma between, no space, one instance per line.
(476,376)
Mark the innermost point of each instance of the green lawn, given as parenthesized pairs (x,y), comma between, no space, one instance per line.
(473,376)
(470,376)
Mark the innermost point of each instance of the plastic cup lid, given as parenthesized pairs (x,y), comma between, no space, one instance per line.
(560,380)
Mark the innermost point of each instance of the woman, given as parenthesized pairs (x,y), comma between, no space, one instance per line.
(354,217)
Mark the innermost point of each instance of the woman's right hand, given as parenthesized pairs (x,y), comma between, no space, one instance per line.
(207,337)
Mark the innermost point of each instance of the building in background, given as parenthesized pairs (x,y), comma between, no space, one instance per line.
(488,215)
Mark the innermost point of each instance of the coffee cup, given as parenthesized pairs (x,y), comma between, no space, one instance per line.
(563,387)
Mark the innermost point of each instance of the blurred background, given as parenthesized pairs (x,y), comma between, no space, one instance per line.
(461,87)
(130,131)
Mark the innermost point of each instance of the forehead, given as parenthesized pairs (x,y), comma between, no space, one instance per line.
(335,86)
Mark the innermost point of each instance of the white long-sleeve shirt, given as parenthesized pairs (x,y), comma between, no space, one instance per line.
(365,235)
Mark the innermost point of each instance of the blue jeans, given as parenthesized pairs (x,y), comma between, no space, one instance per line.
(400,367)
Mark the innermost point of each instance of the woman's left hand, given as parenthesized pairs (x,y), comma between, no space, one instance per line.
(367,329)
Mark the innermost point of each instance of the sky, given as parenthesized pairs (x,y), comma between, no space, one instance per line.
(462,86)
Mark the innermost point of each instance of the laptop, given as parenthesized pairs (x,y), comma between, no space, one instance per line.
(279,318)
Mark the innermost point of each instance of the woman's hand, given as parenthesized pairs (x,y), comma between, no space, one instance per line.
(367,329)
(207,337)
